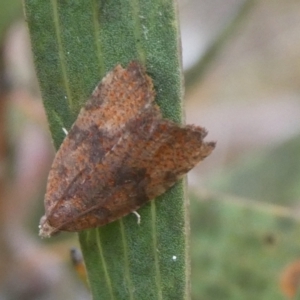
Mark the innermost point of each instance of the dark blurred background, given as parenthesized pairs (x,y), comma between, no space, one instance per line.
(242,67)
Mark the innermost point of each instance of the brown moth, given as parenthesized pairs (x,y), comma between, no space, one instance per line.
(119,154)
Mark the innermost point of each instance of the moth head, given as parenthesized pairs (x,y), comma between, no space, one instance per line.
(45,229)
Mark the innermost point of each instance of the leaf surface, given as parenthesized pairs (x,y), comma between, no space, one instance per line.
(75,43)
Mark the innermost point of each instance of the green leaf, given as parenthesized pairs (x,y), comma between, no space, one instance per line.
(240,250)
(75,43)
(245,228)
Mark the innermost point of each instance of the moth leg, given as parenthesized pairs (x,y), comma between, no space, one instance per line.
(138,217)
(65,131)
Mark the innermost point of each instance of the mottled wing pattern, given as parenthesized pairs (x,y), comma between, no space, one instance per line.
(118,155)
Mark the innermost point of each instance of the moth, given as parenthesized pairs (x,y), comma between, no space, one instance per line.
(119,154)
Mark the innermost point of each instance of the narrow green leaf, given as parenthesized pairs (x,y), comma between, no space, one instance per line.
(74,44)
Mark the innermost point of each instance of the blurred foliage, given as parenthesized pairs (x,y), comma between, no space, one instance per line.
(240,16)
(272,176)
(240,251)
(9,10)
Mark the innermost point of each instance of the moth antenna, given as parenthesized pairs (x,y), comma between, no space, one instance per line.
(138,217)
(57,229)
(88,211)
(62,196)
